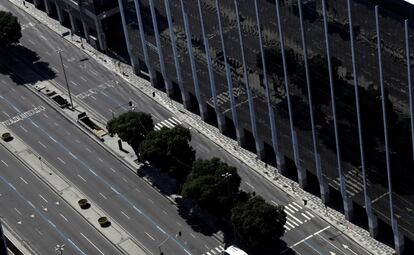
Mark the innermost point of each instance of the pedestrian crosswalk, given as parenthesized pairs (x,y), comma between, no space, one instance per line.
(296,216)
(168,123)
(354,182)
(216,250)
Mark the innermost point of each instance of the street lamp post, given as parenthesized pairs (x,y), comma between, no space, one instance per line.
(226,176)
(59,249)
(66,79)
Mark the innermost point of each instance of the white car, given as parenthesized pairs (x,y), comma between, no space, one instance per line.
(233,250)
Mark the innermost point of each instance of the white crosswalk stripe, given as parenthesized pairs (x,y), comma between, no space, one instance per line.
(296,216)
(354,182)
(168,123)
(215,250)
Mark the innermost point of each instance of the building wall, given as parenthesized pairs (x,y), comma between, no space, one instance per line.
(314,116)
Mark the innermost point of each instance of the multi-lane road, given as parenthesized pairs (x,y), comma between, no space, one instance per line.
(137,207)
(40,216)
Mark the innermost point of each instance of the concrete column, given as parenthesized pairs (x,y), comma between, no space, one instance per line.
(410,87)
(301,171)
(372,220)
(398,238)
(348,207)
(201,104)
(239,130)
(47,7)
(60,13)
(144,42)
(124,27)
(101,34)
(258,141)
(220,118)
(323,187)
(184,93)
(168,85)
(280,161)
(36,3)
(73,27)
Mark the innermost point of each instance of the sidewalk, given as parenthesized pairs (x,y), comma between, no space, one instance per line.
(16,240)
(270,173)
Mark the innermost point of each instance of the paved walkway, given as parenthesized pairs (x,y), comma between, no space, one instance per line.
(315,204)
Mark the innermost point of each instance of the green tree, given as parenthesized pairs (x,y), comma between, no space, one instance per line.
(213,184)
(258,223)
(10,29)
(170,151)
(131,127)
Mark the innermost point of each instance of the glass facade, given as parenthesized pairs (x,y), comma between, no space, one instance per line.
(322,87)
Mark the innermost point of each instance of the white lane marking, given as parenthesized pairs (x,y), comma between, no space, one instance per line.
(304,239)
(46,116)
(113,170)
(90,170)
(330,243)
(88,149)
(23,180)
(55,70)
(218,249)
(43,198)
(178,223)
(23,97)
(164,212)
(300,207)
(125,215)
(160,229)
(174,120)
(83,78)
(290,224)
(5,113)
(74,83)
(92,243)
(306,216)
(168,124)
(82,178)
(100,159)
(290,210)
(248,184)
(193,236)
(150,200)
(61,215)
(44,146)
(44,38)
(4,163)
(292,207)
(153,239)
(17,211)
(73,155)
(94,98)
(125,180)
(93,72)
(311,215)
(56,124)
(32,42)
(25,130)
(38,231)
(293,217)
(63,162)
(102,195)
(77,141)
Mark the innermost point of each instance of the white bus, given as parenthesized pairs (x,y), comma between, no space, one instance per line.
(233,250)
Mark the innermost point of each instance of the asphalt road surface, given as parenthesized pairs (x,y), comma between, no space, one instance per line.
(41,217)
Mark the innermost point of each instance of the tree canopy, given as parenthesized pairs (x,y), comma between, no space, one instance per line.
(10,29)
(213,184)
(132,127)
(170,151)
(258,223)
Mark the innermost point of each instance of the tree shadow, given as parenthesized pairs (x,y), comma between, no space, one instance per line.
(165,183)
(24,66)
